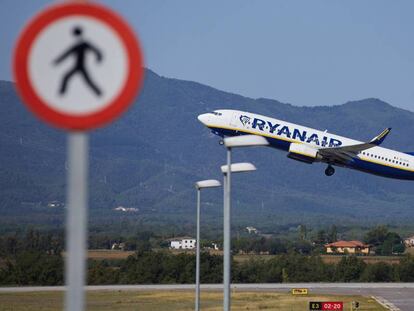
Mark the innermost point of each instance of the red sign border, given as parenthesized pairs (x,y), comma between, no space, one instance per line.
(68,121)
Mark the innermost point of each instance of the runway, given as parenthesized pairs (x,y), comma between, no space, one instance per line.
(400,295)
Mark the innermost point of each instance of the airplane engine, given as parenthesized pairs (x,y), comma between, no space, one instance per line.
(303,153)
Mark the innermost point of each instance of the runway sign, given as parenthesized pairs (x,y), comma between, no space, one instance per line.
(326,306)
(299,291)
(78,65)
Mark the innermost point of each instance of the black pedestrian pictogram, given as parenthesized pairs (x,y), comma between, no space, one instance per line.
(79,51)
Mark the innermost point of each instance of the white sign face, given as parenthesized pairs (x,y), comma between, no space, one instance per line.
(78,65)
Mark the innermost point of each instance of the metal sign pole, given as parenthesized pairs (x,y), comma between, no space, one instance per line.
(76,226)
(197,303)
(227,236)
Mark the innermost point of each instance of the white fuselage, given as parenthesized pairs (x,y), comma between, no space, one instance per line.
(281,134)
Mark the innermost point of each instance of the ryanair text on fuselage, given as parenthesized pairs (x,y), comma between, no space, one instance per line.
(309,145)
(291,133)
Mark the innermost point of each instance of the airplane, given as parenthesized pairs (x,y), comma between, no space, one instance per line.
(309,145)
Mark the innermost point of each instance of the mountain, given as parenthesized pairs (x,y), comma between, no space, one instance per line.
(151,157)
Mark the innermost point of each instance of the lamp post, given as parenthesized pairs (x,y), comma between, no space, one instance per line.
(229,143)
(209,183)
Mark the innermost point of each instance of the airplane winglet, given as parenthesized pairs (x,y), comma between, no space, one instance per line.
(380,138)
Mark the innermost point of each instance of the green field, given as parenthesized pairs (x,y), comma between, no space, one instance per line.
(176,301)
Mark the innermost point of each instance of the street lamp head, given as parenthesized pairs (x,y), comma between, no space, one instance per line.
(209,183)
(238,167)
(245,141)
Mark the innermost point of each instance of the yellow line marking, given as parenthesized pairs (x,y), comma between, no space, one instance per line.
(256,133)
(389,165)
(304,154)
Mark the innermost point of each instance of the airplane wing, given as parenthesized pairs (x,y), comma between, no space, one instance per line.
(347,153)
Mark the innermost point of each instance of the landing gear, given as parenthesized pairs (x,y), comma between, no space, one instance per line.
(329,170)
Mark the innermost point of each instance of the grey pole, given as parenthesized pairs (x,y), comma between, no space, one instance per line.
(226,238)
(197,302)
(210,183)
(76,206)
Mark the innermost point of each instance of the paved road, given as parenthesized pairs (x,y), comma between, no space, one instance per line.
(399,294)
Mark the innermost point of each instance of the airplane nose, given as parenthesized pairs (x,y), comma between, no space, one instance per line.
(204,118)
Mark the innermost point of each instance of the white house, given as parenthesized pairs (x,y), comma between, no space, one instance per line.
(116,246)
(347,247)
(53,204)
(252,230)
(215,246)
(409,242)
(183,243)
(126,209)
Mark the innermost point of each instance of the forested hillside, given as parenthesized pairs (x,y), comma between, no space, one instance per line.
(151,157)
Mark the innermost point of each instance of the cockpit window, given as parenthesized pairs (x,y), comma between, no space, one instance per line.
(217,113)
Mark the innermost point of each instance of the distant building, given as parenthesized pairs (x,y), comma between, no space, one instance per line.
(409,242)
(126,209)
(183,243)
(347,247)
(118,246)
(212,246)
(251,230)
(55,204)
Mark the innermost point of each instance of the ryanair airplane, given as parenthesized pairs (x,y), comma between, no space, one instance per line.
(309,145)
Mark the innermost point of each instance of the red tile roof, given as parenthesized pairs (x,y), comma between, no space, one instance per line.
(347,244)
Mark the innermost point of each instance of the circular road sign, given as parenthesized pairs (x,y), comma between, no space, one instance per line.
(78,65)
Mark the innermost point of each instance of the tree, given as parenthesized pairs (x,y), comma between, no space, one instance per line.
(321,237)
(332,234)
(378,272)
(349,269)
(406,269)
(275,246)
(376,236)
(303,232)
(392,244)
(100,272)
(303,247)
(11,245)
(34,268)
(385,242)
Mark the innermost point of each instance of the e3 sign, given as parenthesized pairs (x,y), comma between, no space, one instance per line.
(78,65)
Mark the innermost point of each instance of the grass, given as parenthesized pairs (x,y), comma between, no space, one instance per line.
(99,254)
(176,301)
(409,250)
(326,258)
(367,259)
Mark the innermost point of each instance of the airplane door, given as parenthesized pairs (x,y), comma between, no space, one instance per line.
(234,120)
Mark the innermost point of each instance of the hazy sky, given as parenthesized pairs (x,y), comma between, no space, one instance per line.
(301,52)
